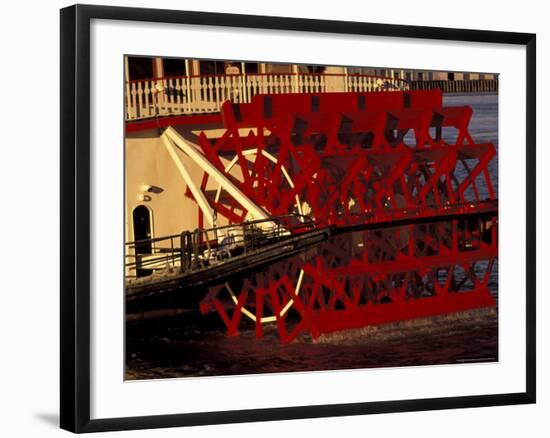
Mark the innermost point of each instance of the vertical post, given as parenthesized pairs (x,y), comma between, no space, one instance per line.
(296,78)
(195,84)
(187,85)
(214,224)
(158,68)
(172,252)
(245,237)
(243,96)
(127,86)
(184,251)
(132,93)
(126,69)
(158,73)
(346,79)
(196,245)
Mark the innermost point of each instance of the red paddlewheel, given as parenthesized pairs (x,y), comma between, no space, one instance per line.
(348,160)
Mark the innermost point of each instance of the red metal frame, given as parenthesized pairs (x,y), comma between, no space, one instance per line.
(358,159)
(348,164)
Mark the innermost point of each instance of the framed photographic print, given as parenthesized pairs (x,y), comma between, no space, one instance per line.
(272,218)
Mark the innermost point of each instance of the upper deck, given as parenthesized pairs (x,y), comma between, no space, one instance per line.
(204,94)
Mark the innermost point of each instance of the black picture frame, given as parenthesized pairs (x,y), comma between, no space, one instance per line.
(75,217)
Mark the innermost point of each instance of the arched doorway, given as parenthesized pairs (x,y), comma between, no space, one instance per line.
(142,233)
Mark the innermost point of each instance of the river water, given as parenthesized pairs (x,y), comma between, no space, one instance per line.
(192,345)
(484,129)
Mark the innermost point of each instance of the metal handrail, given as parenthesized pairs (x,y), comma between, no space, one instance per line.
(305,220)
(196,249)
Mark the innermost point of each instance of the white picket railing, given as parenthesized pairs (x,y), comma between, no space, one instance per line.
(182,95)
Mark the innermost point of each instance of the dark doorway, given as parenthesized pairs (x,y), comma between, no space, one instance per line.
(174,67)
(451,76)
(316,69)
(140,67)
(251,67)
(212,67)
(142,234)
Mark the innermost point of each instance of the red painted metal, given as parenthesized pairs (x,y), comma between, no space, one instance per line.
(353,159)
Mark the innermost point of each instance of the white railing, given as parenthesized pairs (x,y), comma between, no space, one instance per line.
(183,95)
